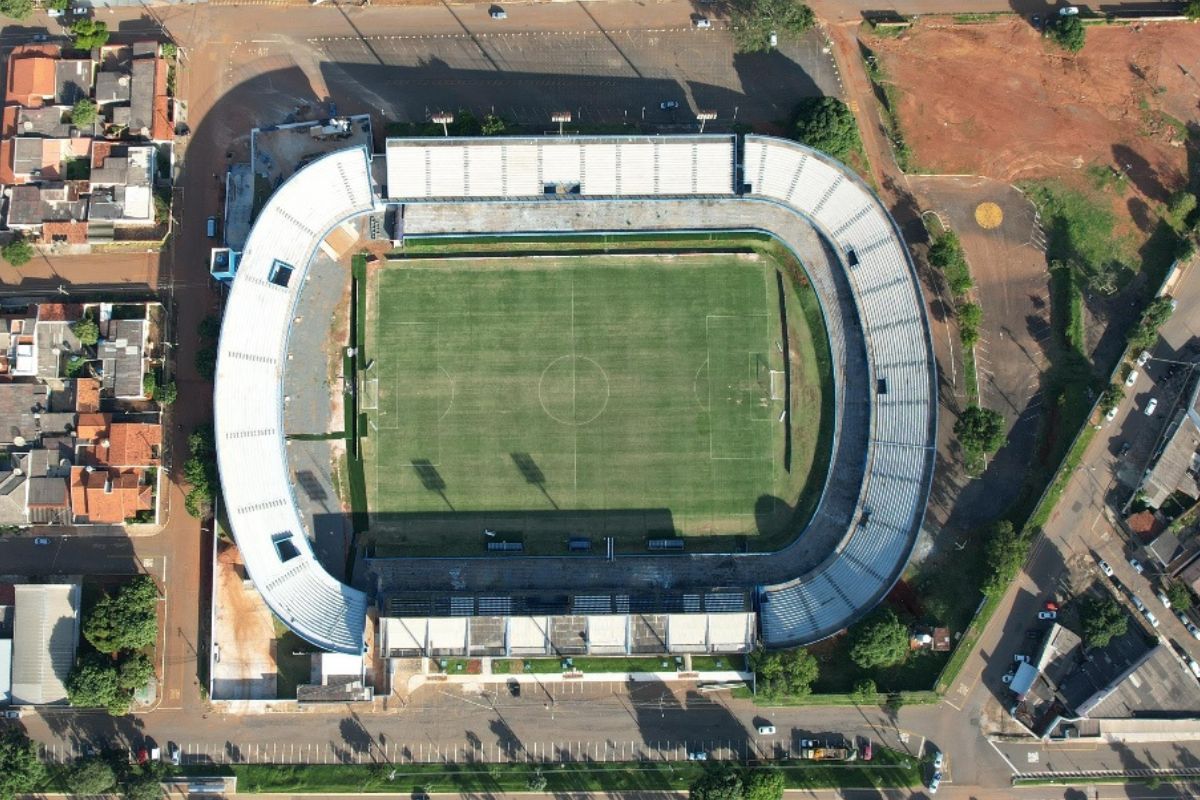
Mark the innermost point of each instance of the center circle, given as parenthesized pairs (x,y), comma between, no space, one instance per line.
(988,215)
(573,390)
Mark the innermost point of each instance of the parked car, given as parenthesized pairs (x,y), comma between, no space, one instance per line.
(865,752)
(1166,601)
(1137,566)
(773,39)
(1183,618)
(1131,378)
(1047,615)
(1151,407)
(1194,667)
(1006,678)
(12,713)
(1068,11)
(1153,620)
(703,22)
(1125,448)
(1137,602)
(1051,605)
(1020,658)
(698,755)
(1194,631)
(41,540)
(210,227)
(766,730)
(939,760)
(1112,413)
(1142,358)
(514,687)
(173,753)
(935,782)
(1105,568)
(498,13)
(668,105)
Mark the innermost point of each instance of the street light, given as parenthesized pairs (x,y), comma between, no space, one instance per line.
(561,117)
(705,116)
(444,118)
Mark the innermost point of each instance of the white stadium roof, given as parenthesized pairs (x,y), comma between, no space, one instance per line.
(249,405)
(248,400)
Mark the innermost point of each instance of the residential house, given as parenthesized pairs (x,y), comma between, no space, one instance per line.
(21,408)
(30,206)
(73,80)
(32,81)
(118,477)
(122,352)
(18,353)
(122,181)
(1176,470)
(33,489)
(110,496)
(131,88)
(101,442)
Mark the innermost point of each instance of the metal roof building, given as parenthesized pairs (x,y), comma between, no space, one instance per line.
(45,635)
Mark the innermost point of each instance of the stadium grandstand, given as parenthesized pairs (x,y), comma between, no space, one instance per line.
(885,387)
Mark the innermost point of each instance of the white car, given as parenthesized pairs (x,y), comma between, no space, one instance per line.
(1151,407)
(1143,357)
(1137,566)
(1020,659)
(939,760)
(1166,601)
(1153,620)
(935,782)
(1194,667)
(703,22)
(1137,602)
(1068,11)
(766,730)
(1112,413)
(1131,379)
(1105,568)
(1194,631)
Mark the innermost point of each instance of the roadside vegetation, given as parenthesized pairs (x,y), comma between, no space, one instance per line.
(121,627)
(209,331)
(1104,619)
(1066,31)
(755,21)
(200,472)
(784,673)
(18,251)
(827,124)
(21,767)
(888,96)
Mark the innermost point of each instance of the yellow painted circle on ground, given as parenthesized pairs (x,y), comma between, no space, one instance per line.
(988,215)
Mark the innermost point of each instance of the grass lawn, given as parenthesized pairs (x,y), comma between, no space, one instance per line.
(887,770)
(291,670)
(526,666)
(718,663)
(626,396)
(618,664)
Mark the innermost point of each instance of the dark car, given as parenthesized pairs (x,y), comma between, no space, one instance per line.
(514,688)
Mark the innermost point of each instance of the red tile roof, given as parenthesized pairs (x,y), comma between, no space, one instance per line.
(108,496)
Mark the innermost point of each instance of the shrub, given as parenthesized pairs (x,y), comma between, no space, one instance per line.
(206,362)
(755,20)
(980,430)
(1067,32)
(493,125)
(149,384)
(970,317)
(166,394)
(826,124)
(18,252)
(1005,555)
(1145,334)
(1179,595)
(865,691)
(209,327)
(784,672)
(946,254)
(1192,10)
(17,9)
(1103,620)
(90,776)
(83,113)
(21,767)
(75,365)
(881,640)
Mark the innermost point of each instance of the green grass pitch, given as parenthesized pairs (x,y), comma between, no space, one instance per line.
(619,396)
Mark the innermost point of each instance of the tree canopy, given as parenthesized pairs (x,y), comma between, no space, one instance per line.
(1103,620)
(1192,10)
(21,769)
(17,9)
(1005,555)
(126,620)
(881,640)
(828,125)
(785,672)
(1068,32)
(1179,595)
(89,33)
(755,20)
(865,691)
(86,331)
(83,113)
(94,683)
(90,776)
(980,430)
(17,252)
(763,784)
(723,783)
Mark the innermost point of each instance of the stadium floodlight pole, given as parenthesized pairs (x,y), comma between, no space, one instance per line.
(705,116)
(561,117)
(445,118)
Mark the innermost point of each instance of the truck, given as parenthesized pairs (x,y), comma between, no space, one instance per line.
(829,753)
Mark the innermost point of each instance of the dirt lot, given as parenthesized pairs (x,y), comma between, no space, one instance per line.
(244,633)
(997,100)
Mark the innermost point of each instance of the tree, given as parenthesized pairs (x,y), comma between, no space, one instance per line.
(1179,595)
(722,783)
(89,33)
(90,776)
(1180,207)
(1067,32)
(1103,619)
(865,691)
(1146,333)
(206,362)
(83,113)
(17,252)
(166,394)
(536,782)
(21,768)
(200,472)
(135,672)
(17,9)
(784,672)
(57,5)
(94,683)
(763,784)
(145,784)
(881,640)
(946,254)
(755,20)
(1111,397)
(1005,555)
(980,430)
(86,331)
(127,620)
(826,124)
(149,384)
(493,125)
(1192,10)
(209,327)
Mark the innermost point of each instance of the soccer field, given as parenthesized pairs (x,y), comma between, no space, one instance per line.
(625,396)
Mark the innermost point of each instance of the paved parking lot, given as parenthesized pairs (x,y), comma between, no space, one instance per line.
(602,76)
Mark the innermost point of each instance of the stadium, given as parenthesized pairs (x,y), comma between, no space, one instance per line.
(650,392)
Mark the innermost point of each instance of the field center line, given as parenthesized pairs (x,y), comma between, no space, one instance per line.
(574,421)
